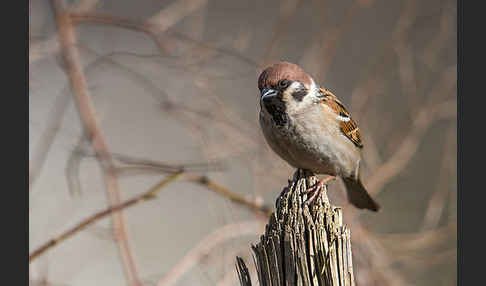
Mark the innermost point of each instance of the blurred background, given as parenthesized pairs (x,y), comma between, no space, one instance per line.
(130,92)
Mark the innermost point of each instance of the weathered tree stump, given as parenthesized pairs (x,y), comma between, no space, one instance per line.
(303,244)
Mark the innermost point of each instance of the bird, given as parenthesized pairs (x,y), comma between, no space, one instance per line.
(310,128)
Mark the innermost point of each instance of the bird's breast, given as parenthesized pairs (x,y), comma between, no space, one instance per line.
(311,141)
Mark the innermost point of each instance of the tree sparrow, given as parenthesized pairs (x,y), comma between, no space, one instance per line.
(311,129)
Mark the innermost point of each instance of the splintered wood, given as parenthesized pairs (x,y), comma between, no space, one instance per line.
(303,244)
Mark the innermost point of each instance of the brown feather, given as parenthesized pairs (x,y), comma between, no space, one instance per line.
(349,128)
(283,70)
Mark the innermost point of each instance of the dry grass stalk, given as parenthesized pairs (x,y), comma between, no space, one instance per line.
(303,244)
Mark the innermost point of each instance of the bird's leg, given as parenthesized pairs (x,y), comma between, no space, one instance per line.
(316,190)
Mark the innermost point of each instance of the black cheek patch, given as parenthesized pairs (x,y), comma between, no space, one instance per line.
(299,94)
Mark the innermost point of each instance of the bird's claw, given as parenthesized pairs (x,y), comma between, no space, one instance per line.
(316,190)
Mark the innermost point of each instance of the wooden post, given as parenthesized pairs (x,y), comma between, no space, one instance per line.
(303,244)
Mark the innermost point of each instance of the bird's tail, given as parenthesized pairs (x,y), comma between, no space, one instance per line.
(358,196)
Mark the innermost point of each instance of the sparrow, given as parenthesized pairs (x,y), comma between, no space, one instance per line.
(309,128)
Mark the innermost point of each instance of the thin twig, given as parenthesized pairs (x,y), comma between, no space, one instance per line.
(47,137)
(205,246)
(234,197)
(107,19)
(154,26)
(150,194)
(437,202)
(287,10)
(400,158)
(406,242)
(372,258)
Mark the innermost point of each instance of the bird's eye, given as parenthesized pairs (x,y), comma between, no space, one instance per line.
(283,83)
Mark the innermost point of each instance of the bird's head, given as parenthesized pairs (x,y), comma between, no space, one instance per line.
(286,86)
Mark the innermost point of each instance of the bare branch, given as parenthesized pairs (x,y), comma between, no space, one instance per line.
(234,197)
(42,149)
(437,202)
(67,40)
(150,194)
(206,245)
(174,13)
(400,158)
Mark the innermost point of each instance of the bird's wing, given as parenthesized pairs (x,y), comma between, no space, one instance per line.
(347,125)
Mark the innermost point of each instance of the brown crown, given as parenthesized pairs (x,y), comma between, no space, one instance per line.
(283,70)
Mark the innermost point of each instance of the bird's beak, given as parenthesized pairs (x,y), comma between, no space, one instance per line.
(268,93)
